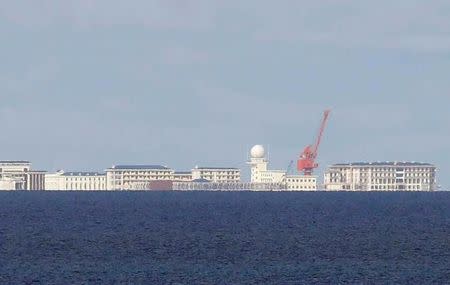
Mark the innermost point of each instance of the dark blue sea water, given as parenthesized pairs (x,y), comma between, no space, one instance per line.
(224,238)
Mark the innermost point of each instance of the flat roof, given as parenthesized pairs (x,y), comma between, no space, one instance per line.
(384,163)
(273,171)
(216,168)
(82,173)
(15,161)
(159,167)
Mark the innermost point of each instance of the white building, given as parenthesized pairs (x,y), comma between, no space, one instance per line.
(381,176)
(77,181)
(217,174)
(258,168)
(17,175)
(260,173)
(8,184)
(182,176)
(301,183)
(136,177)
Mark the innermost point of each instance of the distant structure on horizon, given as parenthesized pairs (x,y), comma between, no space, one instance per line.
(290,182)
(360,176)
(78,181)
(381,176)
(18,175)
(148,177)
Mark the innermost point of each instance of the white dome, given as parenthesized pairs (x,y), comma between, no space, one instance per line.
(257,151)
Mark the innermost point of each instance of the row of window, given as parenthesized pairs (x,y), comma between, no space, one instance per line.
(301,180)
(143,177)
(85,186)
(85,179)
(364,175)
(220,177)
(142,172)
(392,181)
(302,187)
(385,187)
(385,181)
(220,172)
(409,169)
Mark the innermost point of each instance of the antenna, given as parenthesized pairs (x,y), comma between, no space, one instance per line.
(246,153)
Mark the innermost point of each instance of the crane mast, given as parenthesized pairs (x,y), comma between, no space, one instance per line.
(307,161)
(326,114)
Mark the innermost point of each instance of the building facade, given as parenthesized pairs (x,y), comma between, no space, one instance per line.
(76,181)
(381,176)
(301,183)
(136,177)
(17,175)
(182,176)
(217,174)
(205,185)
(35,180)
(259,173)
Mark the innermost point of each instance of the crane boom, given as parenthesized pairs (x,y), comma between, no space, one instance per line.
(326,114)
(307,161)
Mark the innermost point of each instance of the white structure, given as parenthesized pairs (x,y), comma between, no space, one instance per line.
(260,173)
(136,177)
(8,184)
(181,176)
(35,180)
(258,164)
(78,181)
(205,185)
(258,167)
(17,175)
(301,183)
(381,176)
(217,174)
(55,181)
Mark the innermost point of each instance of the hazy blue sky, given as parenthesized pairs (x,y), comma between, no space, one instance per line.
(88,84)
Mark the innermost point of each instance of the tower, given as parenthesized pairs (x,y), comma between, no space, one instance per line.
(258,163)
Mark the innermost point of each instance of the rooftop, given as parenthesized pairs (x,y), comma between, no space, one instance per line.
(15,161)
(158,167)
(217,168)
(384,163)
(82,174)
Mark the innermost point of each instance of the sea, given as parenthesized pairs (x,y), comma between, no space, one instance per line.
(224,237)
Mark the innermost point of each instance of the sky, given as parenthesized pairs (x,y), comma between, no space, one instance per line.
(88,84)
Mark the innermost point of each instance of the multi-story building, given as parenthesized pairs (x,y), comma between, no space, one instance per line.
(301,183)
(136,177)
(77,181)
(17,175)
(182,176)
(35,180)
(260,173)
(217,174)
(381,176)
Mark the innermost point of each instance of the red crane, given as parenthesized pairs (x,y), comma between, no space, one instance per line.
(307,161)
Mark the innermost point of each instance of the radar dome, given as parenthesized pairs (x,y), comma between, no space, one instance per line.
(257,151)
